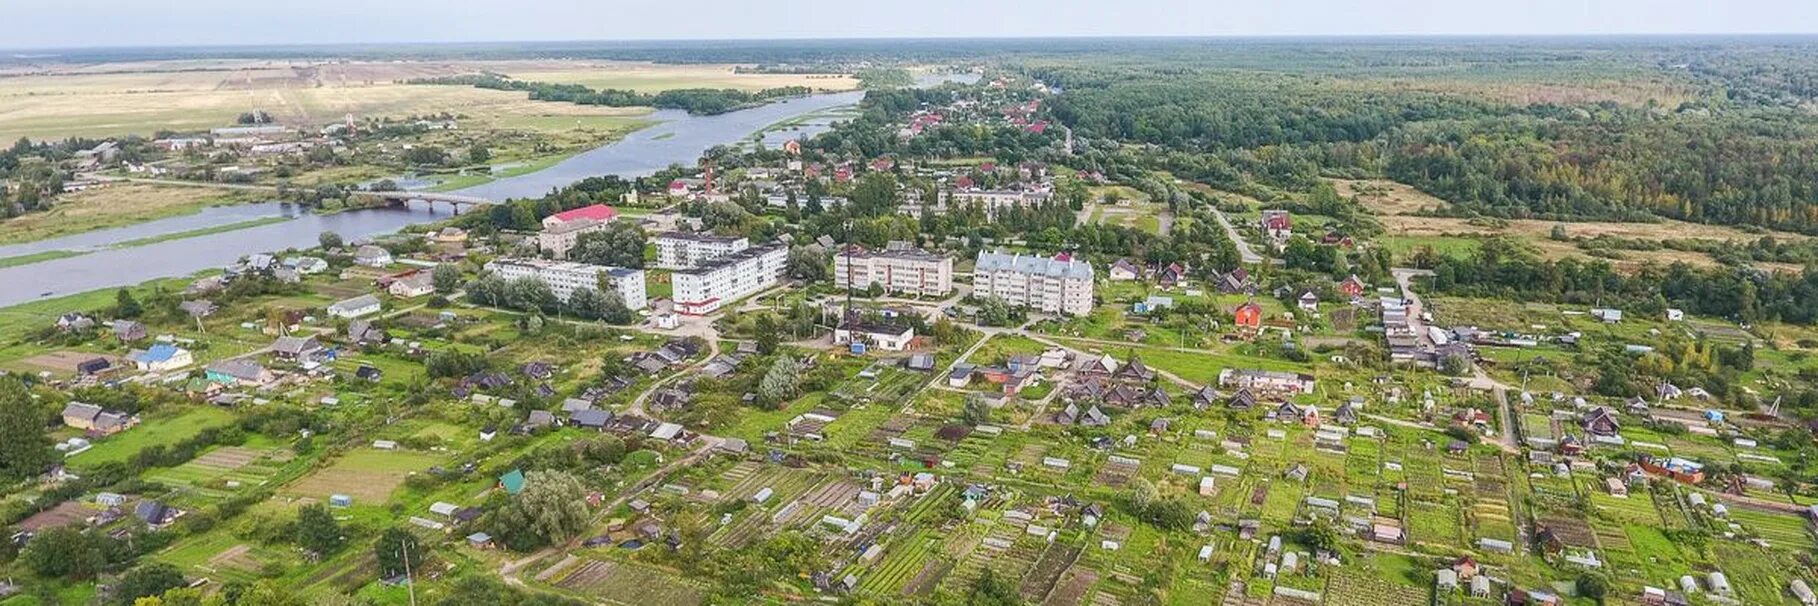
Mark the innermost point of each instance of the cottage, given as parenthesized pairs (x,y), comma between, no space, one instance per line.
(1601,421)
(296,348)
(372,256)
(1308,301)
(237,372)
(1124,270)
(416,284)
(888,337)
(1248,317)
(128,331)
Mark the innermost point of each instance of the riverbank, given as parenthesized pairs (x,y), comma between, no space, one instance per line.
(50,255)
(117,205)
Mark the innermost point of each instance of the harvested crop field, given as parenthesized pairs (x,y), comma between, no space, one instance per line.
(1387,197)
(65,361)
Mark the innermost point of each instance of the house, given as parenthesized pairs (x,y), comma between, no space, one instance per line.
(1248,317)
(1346,414)
(414,285)
(128,331)
(1601,421)
(594,419)
(479,540)
(80,415)
(74,322)
(199,308)
(1170,275)
(1608,316)
(296,348)
(237,371)
(1205,398)
(155,514)
(1238,281)
(354,307)
(1352,286)
(1270,381)
(372,256)
(1308,301)
(363,331)
(1242,399)
(1135,372)
(161,357)
(1124,270)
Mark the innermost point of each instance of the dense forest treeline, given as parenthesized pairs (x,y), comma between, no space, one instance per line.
(702,101)
(1739,153)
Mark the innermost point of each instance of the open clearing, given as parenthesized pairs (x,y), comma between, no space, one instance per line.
(368,475)
(143,98)
(65,361)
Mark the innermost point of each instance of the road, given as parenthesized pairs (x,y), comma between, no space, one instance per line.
(1404,278)
(1243,247)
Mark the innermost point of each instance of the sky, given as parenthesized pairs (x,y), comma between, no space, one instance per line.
(92,23)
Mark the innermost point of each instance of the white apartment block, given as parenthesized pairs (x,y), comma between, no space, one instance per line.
(705,288)
(564,277)
(1039,283)
(681,250)
(914,272)
(992,201)
(560,237)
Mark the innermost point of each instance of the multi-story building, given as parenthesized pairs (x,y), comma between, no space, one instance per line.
(1062,286)
(564,277)
(912,271)
(562,230)
(992,201)
(704,288)
(682,250)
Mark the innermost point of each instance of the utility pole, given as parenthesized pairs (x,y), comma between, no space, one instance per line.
(410,585)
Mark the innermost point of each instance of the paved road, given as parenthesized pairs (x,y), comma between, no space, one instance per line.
(1243,247)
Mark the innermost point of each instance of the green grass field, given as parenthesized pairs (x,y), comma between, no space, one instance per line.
(152,432)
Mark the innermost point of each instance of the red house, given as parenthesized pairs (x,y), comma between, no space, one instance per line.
(1248,316)
(1352,287)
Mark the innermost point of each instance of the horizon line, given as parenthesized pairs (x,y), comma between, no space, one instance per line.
(13,52)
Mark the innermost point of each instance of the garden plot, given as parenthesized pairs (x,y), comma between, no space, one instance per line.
(1007,550)
(368,475)
(1573,532)
(630,584)
(1047,571)
(903,561)
(217,468)
(1348,587)
(1072,587)
(1117,472)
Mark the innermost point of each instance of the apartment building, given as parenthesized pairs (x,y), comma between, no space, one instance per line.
(682,250)
(992,201)
(706,287)
(911,271)
(562,230)
(1062,286)
(564,277)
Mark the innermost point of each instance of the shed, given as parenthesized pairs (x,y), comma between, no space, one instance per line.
(340,500)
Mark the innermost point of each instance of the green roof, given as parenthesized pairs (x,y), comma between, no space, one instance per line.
(513,482)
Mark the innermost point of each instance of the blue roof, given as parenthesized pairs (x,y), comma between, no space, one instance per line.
(161,352)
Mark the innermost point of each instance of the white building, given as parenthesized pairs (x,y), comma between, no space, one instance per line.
(564,277)
(1040,283)
(355,307)
(991,201)
(703,289)
(562,230)
(414,285)
(887,337)
(915,272)
(682,250)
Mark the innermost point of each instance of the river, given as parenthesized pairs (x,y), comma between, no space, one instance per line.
(678,139)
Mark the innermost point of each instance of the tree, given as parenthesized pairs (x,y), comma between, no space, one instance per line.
(993,590)
(552,508)
(1593,586)
(397,551)
(807,265)
(977,411)
(1143,494)
(64,553)
(781,381)
(150,580)
(479,154)
(1454,364)
(621,244)
(126,306)
(426,155)
(317,530)
(24,449)
(329,239)
(769,334)
(446,277)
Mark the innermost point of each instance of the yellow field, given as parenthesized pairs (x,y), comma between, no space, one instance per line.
(113,206)
(143,98)
(650,78)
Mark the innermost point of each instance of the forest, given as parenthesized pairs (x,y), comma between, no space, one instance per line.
(699,101)
(1514,133)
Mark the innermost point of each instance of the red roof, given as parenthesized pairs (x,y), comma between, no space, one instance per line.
(597,212)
